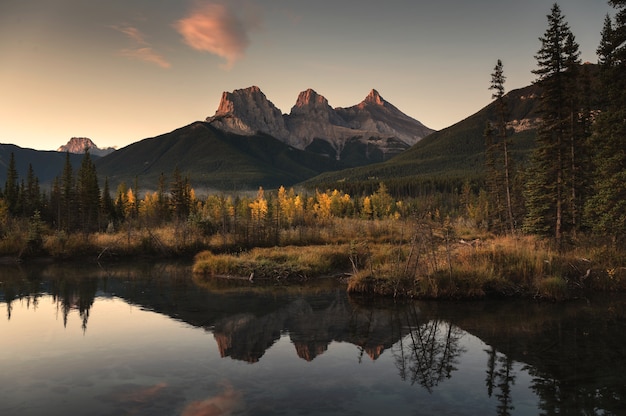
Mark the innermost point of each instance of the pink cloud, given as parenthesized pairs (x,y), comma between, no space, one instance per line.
(216,29)
(132,33)
(142,50)
(146,54)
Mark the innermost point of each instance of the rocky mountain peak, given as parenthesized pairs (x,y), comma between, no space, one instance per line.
(248,111)
(312,122)
(374,98)
(238,99)
(309,99)
(79,144)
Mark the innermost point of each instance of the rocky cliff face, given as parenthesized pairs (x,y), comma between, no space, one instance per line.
(374,127)
(248,112)
(79,144)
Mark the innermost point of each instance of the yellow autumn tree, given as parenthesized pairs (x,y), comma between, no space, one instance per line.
(322,206)
(258,207)
(286,205)
(367,211)
(149,208)
(130,204)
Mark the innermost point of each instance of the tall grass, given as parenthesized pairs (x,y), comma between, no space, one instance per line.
(500,266)
(286,263)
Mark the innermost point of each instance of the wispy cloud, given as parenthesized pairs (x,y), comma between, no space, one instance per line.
(216,28)
(141,49)
(146,54)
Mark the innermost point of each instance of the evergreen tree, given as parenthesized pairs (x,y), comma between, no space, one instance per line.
(54,204)
(107,205)
(88,194)
(68,196)
(180,195)
(497,157)
(547,191)
(163,210)
(576,134)
(121,201)
(605,211)
(32,193)
(11,187)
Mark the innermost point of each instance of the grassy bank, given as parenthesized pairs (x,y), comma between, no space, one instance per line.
(499,267)
(419,258)
(162,242)
(277,263)
(434,264)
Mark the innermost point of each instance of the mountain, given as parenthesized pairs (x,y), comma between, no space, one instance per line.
(78,145)
(47,165)
(371,131)
(448,157)
(212,159)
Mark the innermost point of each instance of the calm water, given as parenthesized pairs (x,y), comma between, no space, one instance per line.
(121,340)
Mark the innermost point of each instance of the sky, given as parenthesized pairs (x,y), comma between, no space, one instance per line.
(119,71)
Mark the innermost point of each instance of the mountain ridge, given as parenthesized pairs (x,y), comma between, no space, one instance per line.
(314,125)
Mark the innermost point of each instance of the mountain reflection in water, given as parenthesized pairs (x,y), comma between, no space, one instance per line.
(572,354)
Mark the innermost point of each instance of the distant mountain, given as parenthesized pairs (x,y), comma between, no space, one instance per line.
(212,159)
(78,145)
(46,164)
(371,131)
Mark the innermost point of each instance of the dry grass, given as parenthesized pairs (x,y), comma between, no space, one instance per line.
(428,257)
(502,266)
(275,263)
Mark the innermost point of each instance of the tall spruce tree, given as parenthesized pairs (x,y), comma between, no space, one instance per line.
(576,134)
(547,192)
(605,211)
(497,157)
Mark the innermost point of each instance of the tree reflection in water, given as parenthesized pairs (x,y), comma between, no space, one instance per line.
(500,375)
(429,353)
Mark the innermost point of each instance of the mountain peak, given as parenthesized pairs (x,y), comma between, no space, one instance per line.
(230,100)
(309,100)
(310,97)
(313,122)
(78,145)
(374,98)
(248,111)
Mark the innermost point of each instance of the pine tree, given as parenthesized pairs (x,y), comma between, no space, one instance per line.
(11,187)
(107,205)
(605,211)
(180,195)
(68,196)
(88,194)
(547,192)
(163,199)
(497,157)
(32,193)
(576,135)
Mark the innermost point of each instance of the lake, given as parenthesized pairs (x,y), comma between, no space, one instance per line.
(149,340)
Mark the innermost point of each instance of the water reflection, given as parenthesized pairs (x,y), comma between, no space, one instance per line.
(570,356)
(500,377)
(429,353)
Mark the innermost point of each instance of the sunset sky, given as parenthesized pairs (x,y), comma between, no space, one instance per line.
(118,71)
